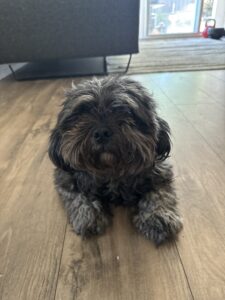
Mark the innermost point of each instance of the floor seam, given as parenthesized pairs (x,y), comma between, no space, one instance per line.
(60,260)
(205,140)
(185,274)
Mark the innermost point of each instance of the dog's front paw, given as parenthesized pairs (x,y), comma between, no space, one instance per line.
(89,220)
(158,227)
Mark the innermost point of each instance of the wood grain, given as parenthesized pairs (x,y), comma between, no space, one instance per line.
(200,183)
(120,265)
(202,193)
(32,223)
(209,85)
(209,121)
(180,90)
(16,122)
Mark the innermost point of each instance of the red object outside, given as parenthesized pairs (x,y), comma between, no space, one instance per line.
(205,33)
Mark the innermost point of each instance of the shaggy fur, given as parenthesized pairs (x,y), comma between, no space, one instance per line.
(109,147)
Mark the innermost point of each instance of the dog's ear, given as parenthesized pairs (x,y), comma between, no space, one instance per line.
(54,150)
(164,143)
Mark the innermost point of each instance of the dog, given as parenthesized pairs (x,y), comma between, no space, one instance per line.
(110,147)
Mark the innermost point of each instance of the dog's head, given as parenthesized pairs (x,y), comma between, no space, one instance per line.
(109,127)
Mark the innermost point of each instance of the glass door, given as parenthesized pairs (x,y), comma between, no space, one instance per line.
(172,17)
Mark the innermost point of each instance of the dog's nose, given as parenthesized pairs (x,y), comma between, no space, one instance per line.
(102,135)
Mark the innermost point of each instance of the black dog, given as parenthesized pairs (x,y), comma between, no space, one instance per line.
(109,147)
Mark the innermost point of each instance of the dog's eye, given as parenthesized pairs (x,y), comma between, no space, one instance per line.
(84,108)
(129,111)
(141,124)
(122,110)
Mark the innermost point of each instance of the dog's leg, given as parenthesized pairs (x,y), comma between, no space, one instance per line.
(157,216)
(86,217)
(86,214)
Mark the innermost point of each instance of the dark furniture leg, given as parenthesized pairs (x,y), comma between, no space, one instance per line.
(128,64)
(61,68)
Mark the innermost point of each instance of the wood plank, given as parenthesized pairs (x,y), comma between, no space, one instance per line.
(32,221)
(200,176)
(209,85)
(209,120)
(179,89)
(32,225)
(149,82)
(201,188)
(120,265)
(14,95)
(219,74)
(17,121)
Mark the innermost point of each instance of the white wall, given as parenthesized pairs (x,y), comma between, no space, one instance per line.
(219,12)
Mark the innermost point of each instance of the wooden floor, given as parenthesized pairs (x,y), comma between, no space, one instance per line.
(41,258)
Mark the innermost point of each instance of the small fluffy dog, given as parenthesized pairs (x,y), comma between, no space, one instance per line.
(109,147)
